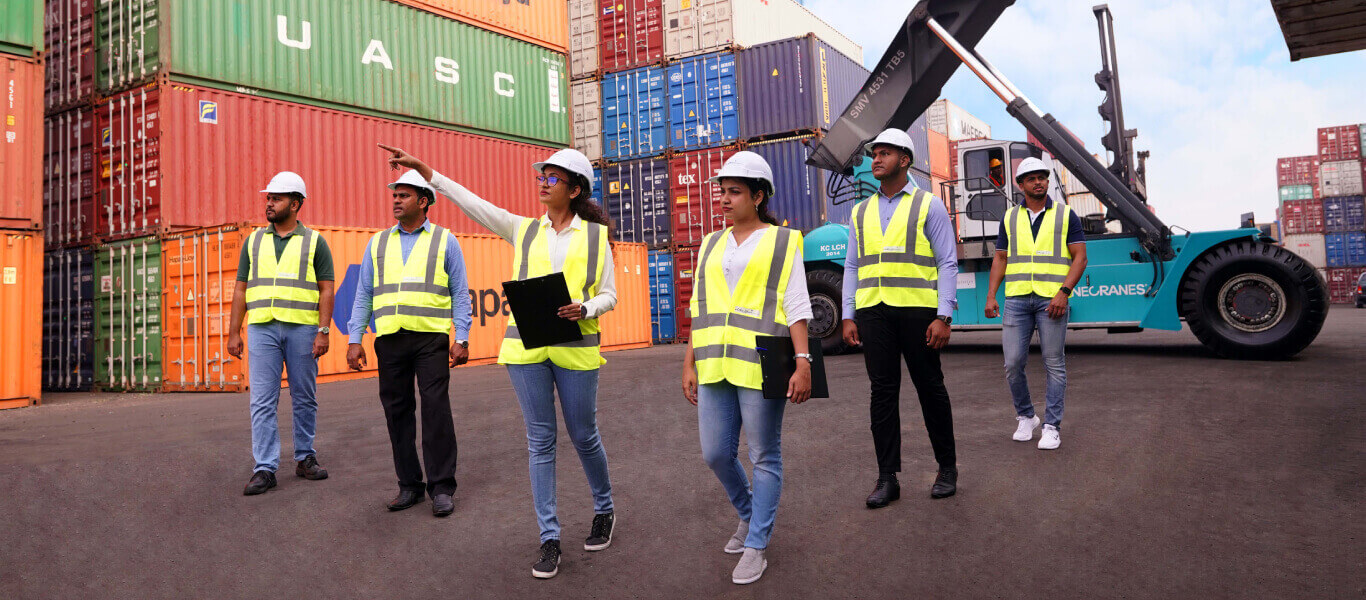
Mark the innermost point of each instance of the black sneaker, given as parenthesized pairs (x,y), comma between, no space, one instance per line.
(260,482)
(600,537)
(549,563)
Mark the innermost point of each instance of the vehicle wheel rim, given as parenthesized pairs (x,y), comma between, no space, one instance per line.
(823,313)
(1252,302)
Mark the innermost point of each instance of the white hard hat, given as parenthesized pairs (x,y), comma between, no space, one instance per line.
(892,137)
(1030,165)
(748,165)
(414,179)
(286,182)
(570,160)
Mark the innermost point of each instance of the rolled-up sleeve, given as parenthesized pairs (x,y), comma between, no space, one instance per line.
(459,286)
(939,229)
(365,291)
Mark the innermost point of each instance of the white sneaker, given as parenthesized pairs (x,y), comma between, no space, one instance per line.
(1050,439)
(1025,430)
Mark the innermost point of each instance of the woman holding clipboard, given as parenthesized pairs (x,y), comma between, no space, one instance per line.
(571,237)
(750,282)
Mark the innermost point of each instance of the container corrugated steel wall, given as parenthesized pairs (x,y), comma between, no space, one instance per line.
(1297,192)
(70,56)
(920,138)
(799,197)
(21,27)
(1342,284)
(585,101)
(697,202)
(1294,170)
(21,143)
(628,325)
(165,165)
(1345,249)
(636,195)
(128,315)
(69,178)
(701,26)
(1302,216)
(68,320)
(1344,213)
(704,108)
(541,23)
(1308,246)
(797,84)
(1341,142)
(21,301)
(938,155)
(635,118)
(1340,178)
(685,263)
(630,33)
(356,55)
(583,38)
(662,318)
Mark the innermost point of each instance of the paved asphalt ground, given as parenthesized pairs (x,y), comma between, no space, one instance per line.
(1180,476)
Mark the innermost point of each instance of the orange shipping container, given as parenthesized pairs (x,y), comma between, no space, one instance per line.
(541,23)
(21,301)
(939,156)
(21,143)
(200,269)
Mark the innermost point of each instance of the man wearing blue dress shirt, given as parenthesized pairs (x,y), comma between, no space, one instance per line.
(900,290)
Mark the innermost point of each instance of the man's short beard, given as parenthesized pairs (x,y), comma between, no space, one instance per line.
(280,217)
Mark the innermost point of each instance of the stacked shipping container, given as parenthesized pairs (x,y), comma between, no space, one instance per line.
(1322,211)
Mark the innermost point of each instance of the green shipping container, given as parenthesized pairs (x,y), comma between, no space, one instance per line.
(128,315)
(380,58)
(21,27)
(1297,192)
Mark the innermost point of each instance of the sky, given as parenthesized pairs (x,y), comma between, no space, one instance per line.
(1208,85)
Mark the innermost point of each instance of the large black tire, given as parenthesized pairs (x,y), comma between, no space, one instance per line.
(1255,301)
(827,298)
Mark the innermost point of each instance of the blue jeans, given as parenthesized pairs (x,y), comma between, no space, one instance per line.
(721,409)
(1022,316)
(272,347)
(535,385)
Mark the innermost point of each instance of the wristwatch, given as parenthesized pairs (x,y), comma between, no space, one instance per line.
(806,356)
(324,330)
(583,311)
(1066,290)
(946,320)
(463,343)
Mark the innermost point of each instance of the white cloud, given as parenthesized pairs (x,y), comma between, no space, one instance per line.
(1208,85)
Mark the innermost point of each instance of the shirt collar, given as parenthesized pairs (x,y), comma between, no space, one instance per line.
(909,189)
(1047,204)
(299,229)
(575,223)
(426,226)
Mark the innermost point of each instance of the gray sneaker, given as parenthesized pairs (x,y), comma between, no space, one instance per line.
(736,543)
(751,567)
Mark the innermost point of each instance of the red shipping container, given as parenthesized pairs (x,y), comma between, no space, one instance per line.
(630,33)
(21,143)
(220,149)
(1342,142)
(1298,170)
(1302,216)
(685,263)
(69,178)
(70,56)
(1342,284)
(697,202)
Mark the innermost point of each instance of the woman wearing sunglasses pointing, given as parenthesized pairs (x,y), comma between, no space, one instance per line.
(571,237)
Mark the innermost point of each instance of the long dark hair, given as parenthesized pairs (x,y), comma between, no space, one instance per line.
(758,185)
(583,205)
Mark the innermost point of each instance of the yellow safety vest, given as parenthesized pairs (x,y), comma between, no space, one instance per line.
(725,323)
(285,290)
(1037,264)
(583,273)
(896,267)
(413,295)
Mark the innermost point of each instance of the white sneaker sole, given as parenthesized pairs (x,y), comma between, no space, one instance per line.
(753,579)
(609,539)
(727,550)
(1043,447)
(541,575)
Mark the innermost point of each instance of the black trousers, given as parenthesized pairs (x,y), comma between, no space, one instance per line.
(890,334)
(401,356)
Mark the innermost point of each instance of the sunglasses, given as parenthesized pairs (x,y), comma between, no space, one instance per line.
(550,180)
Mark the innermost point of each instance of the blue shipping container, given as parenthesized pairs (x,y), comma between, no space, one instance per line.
(635,118)
(920,138)
(68,320)
(799,197)
(637,195)
(661,277)
(796,84)
(1344,213)
(597,186)
(704,110)
(1345,249)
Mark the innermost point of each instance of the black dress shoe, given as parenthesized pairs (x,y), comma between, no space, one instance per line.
(405,499)
(260,482)
(443,505)
(946,484)
(308,468)
(886,491)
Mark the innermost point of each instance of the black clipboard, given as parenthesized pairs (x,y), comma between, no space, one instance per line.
(777,359)
(535,305)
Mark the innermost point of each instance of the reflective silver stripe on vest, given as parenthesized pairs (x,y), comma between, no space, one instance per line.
(424,287)
(380,251)
(1018,277)
(745,322)
(699,268)
(412,311)
(906,257)
(749,355)
(594,249)
(437,240)
(775,275)
(898,282)
(289,304)
(859,216)
(1055,259)
(590,340)
(532,230)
